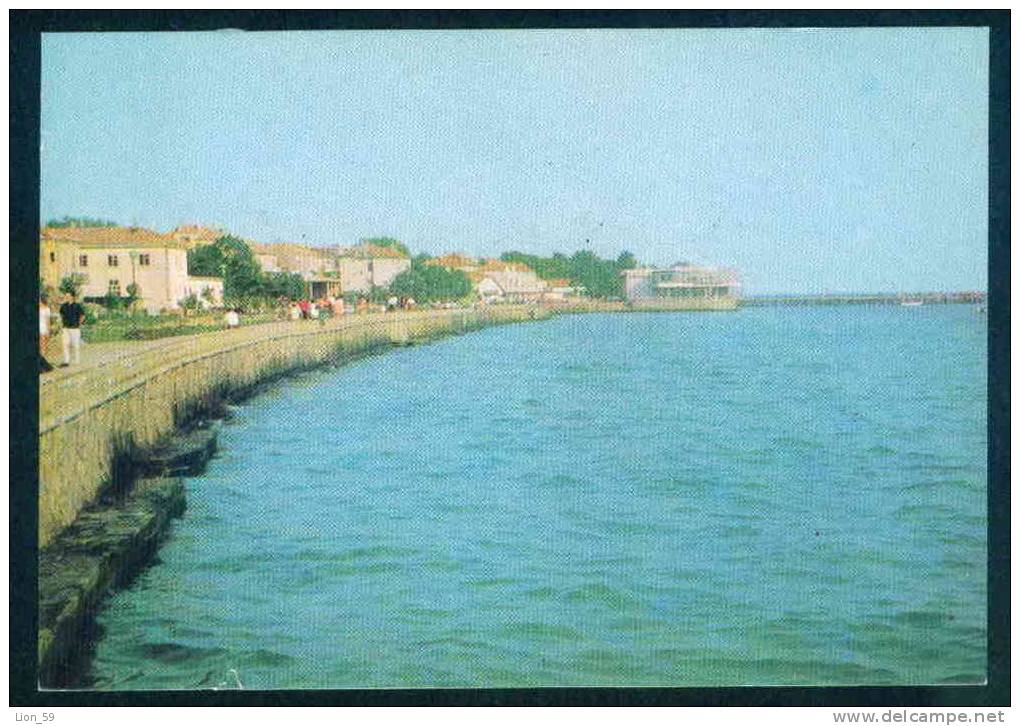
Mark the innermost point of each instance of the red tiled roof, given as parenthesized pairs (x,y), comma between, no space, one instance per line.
(494,265)
(452,259)
(197,232)
(109,236)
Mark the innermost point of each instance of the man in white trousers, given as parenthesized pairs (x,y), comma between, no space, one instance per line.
(72,317)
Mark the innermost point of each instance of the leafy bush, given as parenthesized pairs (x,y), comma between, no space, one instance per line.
(72,284)
(389,242)
(190,303)
(425,283)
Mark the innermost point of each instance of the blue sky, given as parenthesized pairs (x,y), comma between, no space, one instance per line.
(813,160)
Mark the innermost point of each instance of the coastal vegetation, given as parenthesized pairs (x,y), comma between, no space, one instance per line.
(427,283)
(599,277)
(72,284)
(68,221)
(232,259)
(388,242)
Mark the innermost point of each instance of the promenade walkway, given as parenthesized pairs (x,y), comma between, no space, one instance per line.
(107,369)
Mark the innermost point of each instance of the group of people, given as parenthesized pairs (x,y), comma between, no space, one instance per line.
(321,309)
(400,303)
(72,318)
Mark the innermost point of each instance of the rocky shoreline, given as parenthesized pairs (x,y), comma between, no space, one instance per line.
(105,548)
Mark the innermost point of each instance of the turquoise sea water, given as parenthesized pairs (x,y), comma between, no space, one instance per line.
(770,496)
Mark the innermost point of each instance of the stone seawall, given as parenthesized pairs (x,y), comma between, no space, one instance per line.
(106,545)
(93,425)
(121,512)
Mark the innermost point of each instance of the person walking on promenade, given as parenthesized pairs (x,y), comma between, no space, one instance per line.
(72,317)
(304,306)
(295,311)
(45,314)
(232,318)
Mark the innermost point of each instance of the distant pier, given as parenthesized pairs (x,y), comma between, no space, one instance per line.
(925,298)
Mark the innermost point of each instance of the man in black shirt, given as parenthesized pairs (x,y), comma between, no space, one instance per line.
(72,316)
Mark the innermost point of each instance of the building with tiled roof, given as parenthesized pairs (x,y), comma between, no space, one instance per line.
(108,236)
(454,261)
(509,281)
(292,257)
(195,235)
(365,266)
(112,258)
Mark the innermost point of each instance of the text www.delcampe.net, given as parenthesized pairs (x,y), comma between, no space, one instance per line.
(907,716)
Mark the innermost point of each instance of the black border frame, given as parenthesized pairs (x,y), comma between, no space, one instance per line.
(25,30)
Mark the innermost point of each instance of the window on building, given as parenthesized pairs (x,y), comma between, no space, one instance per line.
(111,260)
(143,260)
(83,260)
(53,256)
(114,287)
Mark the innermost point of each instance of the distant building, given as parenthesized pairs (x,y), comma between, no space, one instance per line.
(561,289)
(454,261)
(208,290)
(268,262)
(496,280)
(366,266)
(508,282)
(683,286)
(112,258)
(291,257)
(313,264)
(335,270)
(195,235)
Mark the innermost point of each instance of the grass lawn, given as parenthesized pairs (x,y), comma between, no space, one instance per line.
(113,326)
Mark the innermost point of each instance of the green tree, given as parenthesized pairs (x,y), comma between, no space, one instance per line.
(626,261)
(283,284)
(388,242)
(112,301)
(548,268)
(425,283)
(232,259)
(72,284)
(206,260)
(190,303)
(67,221)
(600,278)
